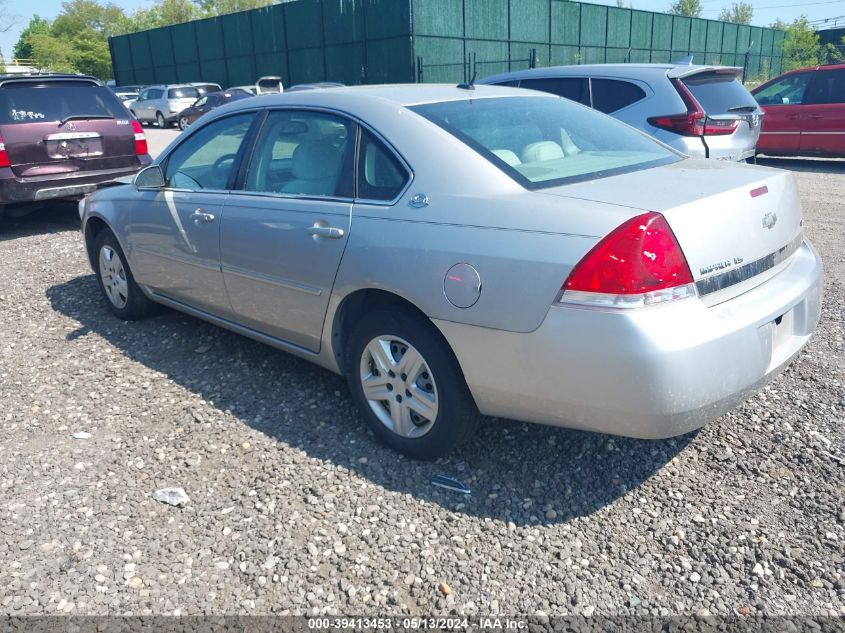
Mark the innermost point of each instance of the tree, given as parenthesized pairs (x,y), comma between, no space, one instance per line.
(78,15)
(221,7)
(37,26)
(52,53)
(7,20)
(689,8)
(91,55)
(801,45)
(165,13)
(738,13)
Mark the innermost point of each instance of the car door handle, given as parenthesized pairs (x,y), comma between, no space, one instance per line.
(792,117)
(201,216)
(330,232)
(814,116)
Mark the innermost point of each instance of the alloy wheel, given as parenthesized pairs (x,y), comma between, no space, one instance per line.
(183,123)
(399,386)
(113,277)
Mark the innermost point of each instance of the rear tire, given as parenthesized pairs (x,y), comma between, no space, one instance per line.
(408,385)
(160,120)
(183,123)
(123,296)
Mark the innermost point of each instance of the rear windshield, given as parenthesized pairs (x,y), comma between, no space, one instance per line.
(547,141)
(53,101)
(719,93)
(183,93)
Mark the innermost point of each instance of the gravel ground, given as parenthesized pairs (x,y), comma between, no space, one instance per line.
(294,508)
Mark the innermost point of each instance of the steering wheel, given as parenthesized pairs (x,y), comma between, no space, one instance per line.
(218,164)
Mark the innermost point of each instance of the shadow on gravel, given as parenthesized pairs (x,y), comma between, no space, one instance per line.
(814,165)
(51,217)
(527,474)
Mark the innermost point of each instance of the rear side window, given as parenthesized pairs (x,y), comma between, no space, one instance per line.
(573,88)
(827,86)
(610,95)
(380,174)
(53,101)
(719,93)
(183,93)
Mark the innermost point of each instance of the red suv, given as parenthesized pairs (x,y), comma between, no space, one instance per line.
(805,112)
(60,135)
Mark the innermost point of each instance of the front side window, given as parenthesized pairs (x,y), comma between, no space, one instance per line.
(610,95)
(381,176)
(546,141)
(574,88)
(205,159)
(303,153)
(200,102)
(827,86)
(786,91)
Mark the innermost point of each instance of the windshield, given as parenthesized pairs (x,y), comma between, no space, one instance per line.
(53,101)
(546,141)
(719,93)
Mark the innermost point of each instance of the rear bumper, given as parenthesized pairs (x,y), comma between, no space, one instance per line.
(14,189)
(650,373)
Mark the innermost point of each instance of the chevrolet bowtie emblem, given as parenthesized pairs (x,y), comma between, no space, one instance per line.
(769,220)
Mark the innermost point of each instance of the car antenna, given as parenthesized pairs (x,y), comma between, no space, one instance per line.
(471,84)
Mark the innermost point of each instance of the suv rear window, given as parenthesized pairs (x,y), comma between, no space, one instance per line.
(28,102)
(719,93)
(542,141)
(183,93)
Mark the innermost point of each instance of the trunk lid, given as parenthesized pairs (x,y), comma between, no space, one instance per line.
(736,224)
(64,126)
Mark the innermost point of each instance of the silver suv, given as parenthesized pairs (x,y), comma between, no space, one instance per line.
(163,103)
(701,111)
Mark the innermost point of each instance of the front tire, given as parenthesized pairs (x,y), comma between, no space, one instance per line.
(117,284)
(408,385)
(160,120)
(183,123)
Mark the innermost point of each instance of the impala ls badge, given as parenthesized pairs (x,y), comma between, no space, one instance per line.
(769,220)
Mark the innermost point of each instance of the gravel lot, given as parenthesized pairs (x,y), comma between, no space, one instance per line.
(294,508)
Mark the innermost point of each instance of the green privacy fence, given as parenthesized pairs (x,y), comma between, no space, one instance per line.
(378,41)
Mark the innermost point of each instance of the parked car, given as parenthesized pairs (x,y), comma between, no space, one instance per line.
(61,135)
(205,88)
(247,89)
(701,111)
(456,251)
(268,85)
(805,112)
(206,104)
(315,86)
(127,94)
(162,104)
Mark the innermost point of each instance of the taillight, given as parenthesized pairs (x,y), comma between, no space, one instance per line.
(4,156)
(140,138)
(693,122)
(639,263)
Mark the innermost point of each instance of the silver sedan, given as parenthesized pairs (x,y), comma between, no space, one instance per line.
(456,252)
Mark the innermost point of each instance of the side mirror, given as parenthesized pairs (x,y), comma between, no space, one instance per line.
(151,177)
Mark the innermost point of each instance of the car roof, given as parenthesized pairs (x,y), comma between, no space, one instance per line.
(631,71)
(398,94)
(47,77)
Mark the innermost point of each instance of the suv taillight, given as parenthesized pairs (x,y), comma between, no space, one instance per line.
(4,156)
(639,263)
(693,122)
(140,138)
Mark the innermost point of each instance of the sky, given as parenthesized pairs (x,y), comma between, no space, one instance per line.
(765,11)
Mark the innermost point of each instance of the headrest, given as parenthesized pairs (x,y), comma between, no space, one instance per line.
(542,150)
(314,160)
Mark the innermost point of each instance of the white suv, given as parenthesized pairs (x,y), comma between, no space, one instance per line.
(163,103)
